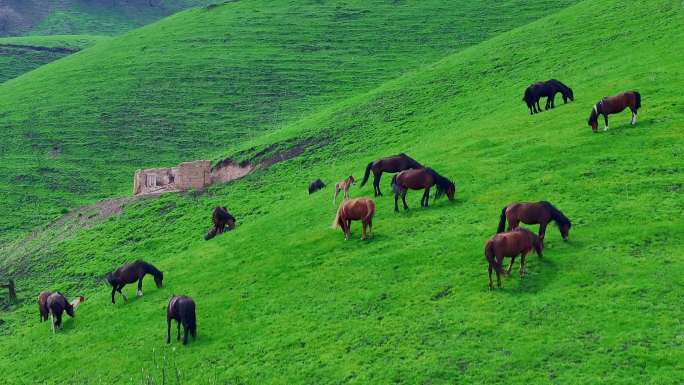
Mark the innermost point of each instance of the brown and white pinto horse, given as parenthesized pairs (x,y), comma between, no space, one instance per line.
(221,219)
(613,105)
(422,178)
(534,213)
(343,186)
(57,304)
(182,309)
(519,241)
(390,164)
(359,209)
(130,273)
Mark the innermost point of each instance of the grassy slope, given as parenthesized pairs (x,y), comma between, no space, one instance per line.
(284,299)
(200,82)
(105,17)
(15,61)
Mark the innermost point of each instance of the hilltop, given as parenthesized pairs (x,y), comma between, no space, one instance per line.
(283,299)
(201,83)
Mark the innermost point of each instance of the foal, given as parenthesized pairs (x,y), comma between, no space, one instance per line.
(613,105)
(182,309)
(221,219)
(131,272)
(344,185)
(519,241)
(57,304)
(359,209)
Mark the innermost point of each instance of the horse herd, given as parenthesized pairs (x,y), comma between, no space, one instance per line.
(511,241)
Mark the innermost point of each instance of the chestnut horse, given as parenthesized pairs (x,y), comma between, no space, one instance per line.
(182,309)
(57,304)
(343,186)
(221,218)
(519,241)
(390,164)
(534,213)
(613,105)
(422,178)
(130,273)
(359,209)
(549,89)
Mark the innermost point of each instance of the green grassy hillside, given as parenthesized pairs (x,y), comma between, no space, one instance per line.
(283,299)
(199,83)
(108,17)
(19,55)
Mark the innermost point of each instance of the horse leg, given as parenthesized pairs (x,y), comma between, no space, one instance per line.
(52,321)
(538,107)
(498,276)
(522,264)
(168,330)
(337,191)
(185,333)
(427,196)
(512,223)
(605,117)
(634,116)
(113,292)
(489,271)
(542,230)
(376,183)
(403,199)
(363,231)
(510,266)
(178,327)
(139,293)
(396,199)
(122,294)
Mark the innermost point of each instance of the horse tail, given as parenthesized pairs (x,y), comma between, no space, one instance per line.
(336,222)
(395,188)
(192,322)
(502,221)
(366,174)
(490,255)
(371,211)
(638,100)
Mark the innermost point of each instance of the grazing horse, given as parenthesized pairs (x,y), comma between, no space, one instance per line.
(359,209)
(182,309)
(343,186)
(390,164)
(221,218)
(547,89)
(131,272)
(519,241)
(613,105)
(534,213)
(422,178)
(57,304)
(42,305)
(315,186)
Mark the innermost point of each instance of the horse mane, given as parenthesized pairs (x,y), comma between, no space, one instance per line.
(556,214)
(148,267)
(411,160)
(593,117)
(441,182)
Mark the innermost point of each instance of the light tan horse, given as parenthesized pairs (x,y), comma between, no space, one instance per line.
(359,209)
(344,185)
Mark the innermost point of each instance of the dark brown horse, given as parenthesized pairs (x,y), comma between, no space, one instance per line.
(534,213)
(130,273)
(390,164)
(422,178)
(547,89)
(359,209)
(613,105)
(57,304)
(519,241)
(315,186)
(221,219)
(42,305)
(182,309)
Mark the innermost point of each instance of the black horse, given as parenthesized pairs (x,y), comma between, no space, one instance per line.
(221,219)
(547,89)
(130,273)
(182,309)
(315,186)
(390,164)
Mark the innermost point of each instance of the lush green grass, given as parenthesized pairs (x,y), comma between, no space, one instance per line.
(106,17)
(19,55)
(283,299)
(202,82)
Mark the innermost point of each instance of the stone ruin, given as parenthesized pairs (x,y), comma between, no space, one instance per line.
(186,176)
